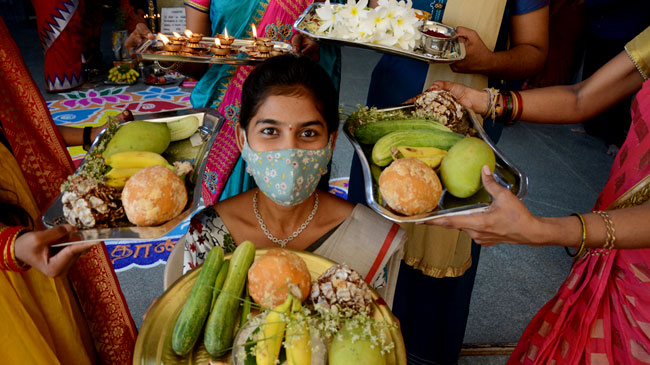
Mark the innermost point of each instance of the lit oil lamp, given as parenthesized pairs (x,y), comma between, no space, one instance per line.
(177,39)
(261,44)
(220,50)
(193,37)
(167,45)
(225,39)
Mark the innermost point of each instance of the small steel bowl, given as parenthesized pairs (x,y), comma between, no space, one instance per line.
(437,42)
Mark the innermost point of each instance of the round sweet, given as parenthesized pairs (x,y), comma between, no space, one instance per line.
(270,277)
(153,196)
(410,186)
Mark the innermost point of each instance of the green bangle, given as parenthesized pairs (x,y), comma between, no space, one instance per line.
(582,241)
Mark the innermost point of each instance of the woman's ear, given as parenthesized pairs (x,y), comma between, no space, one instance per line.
(239,132)
(333,137)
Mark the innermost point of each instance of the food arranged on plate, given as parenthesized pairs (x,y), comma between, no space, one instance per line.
(416,154)
(287,317)
(123,74)
(126,180)
(392,27)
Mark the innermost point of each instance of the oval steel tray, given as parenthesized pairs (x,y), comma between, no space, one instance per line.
(210,123)
(149,51)
(455,52)
(506,173)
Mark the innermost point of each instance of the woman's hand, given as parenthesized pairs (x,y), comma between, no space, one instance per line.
(506,220)
(306,46)
(477,54)
(139,35)
(477,100)
(33,248)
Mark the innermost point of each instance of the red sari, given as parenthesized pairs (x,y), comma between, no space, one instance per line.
(45,163)
(601,313)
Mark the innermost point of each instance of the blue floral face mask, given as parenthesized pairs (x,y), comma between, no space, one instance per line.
(288,176)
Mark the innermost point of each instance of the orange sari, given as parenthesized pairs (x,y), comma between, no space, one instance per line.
(44,162)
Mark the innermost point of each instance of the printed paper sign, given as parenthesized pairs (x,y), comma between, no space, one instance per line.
(172,20)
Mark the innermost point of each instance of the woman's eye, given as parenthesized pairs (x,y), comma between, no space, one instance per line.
(269,131)
(309,133)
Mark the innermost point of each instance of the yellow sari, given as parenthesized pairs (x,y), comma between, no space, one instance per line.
(41,321)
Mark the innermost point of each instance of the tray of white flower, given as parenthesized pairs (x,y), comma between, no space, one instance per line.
(392,27)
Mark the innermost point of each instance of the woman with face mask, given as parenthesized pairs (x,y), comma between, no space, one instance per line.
(286,132)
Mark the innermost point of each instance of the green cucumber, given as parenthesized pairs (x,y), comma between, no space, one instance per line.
(370,133)
(381,154)
(218,283)
(245,308)
(221,323)
(196,309)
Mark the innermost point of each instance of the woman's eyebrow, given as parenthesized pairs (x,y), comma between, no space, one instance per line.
(270,121)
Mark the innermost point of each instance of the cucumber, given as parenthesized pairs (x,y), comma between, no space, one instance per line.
(196,309)
(381,154)
(221,323)
(370,133)
(218,283)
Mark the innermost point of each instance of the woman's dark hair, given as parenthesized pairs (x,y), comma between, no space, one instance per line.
(289,75)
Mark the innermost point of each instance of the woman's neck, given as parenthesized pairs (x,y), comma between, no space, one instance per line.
(280,220)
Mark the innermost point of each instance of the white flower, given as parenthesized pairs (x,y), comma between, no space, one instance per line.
(353,11)
(327,16)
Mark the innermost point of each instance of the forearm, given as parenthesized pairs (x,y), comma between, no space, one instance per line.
(632,230)
(73,136)
(516,63)
(613,82)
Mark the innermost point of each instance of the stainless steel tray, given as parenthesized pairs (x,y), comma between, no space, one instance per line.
(151,50)
(506,173)
(455,52)
(210,123)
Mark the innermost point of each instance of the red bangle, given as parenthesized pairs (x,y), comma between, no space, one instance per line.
(7,242)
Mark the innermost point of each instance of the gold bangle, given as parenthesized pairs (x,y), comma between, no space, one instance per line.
(492,101)
(611,231)
(582,240)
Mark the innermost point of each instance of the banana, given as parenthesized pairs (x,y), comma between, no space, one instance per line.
(135,159)
(296,342)
(432,156)
(119,173)
(271,334)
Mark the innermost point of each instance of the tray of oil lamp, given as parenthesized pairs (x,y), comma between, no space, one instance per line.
(437,43)
(220,49)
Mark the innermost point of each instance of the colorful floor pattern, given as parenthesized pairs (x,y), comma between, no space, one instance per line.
(91,108)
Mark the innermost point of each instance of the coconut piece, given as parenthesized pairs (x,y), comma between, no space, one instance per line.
(342,291)
(442,105)
(88,203)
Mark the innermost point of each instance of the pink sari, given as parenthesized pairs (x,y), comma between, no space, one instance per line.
(601,313)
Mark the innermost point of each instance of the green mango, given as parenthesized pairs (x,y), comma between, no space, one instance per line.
(139,136)
(351,347)
(460,170)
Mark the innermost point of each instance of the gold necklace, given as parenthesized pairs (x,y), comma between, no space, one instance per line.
(283,243)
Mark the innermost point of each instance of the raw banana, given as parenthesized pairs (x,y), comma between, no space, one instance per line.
(296,341)
(133,160)
(432,156)
(183,128)
(271,334)
(117,177)
(139,136)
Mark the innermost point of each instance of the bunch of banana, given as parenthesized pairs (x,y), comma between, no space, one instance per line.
(430,155)
(123,73)
(126,164)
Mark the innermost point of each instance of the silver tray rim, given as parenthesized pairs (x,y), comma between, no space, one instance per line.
(417,54)
(520,186)
(212,121)
(142,52)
